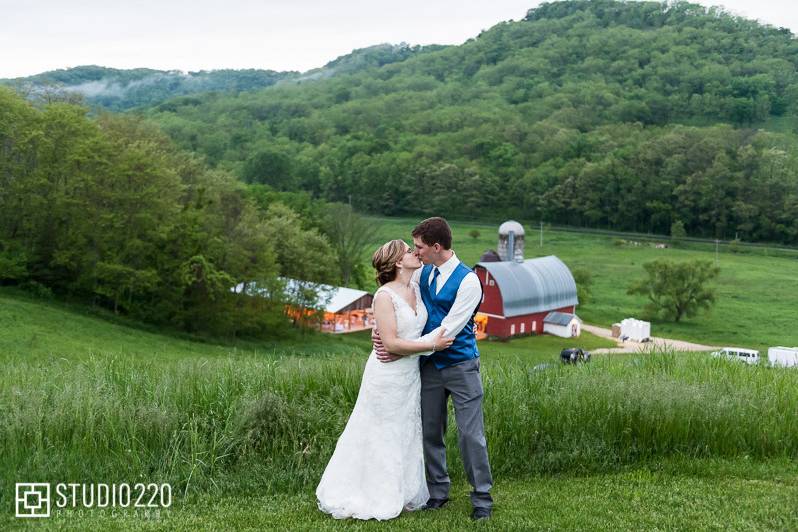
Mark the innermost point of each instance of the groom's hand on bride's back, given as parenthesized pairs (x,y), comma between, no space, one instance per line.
(382,354)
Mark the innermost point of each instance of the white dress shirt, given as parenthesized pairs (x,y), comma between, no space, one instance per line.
(469,295)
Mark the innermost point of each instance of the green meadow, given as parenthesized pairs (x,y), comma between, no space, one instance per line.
(757,293)
(243,430)
(636,116)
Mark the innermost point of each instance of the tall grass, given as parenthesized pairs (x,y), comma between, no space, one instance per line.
(270,424)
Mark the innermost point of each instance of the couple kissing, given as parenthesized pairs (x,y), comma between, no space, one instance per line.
(391,455)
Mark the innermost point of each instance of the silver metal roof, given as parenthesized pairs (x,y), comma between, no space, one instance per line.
(535,285)
(559,318)
(333,298)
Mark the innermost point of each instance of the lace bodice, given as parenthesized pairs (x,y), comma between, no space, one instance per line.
(409,322)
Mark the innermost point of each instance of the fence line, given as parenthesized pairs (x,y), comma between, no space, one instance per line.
(724,245)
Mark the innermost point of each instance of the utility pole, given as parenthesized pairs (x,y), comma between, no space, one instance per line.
(716,251)
(541,234)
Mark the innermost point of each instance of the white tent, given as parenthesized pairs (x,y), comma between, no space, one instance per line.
(783,356)
(330,298)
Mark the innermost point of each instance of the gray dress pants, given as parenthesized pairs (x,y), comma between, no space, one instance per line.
(463,382)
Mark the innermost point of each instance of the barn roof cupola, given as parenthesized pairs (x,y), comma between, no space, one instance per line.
(511,241)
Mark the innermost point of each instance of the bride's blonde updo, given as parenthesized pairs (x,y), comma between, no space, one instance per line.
(385,259)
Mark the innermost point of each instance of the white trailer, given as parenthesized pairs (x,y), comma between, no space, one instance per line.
(635,330)
(783,356)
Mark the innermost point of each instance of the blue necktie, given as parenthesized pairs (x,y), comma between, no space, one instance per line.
(433,288)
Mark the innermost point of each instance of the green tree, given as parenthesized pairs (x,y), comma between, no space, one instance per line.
(675,290)
(13,263)
(350,235)
(302,254)
(269,166)
(678,233)
(584,285)
(108,210)
(474,234)
(305,261)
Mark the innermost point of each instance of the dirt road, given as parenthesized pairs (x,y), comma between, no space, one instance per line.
(633,347)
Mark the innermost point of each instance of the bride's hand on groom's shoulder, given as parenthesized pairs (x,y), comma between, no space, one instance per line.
(382,354)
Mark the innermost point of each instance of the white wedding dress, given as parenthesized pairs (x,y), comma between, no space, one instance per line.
(377,469)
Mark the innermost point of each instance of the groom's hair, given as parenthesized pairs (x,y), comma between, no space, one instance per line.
(434,231)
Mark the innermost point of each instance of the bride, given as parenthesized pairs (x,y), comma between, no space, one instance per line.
(377,469)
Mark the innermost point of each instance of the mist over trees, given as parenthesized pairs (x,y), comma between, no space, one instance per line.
(119,90)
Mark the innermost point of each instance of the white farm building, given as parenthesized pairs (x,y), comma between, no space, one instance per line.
(562,324)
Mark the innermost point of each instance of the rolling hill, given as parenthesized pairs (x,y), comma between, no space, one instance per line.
(121,89)
(603,114)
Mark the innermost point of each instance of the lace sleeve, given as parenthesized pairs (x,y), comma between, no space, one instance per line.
(391,294)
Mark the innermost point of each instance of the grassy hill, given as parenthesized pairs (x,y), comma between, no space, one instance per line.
(35,330)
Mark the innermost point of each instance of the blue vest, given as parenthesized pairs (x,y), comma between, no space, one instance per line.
(438,306)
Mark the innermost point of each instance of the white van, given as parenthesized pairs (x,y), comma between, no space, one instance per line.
(783,356)
(749,356)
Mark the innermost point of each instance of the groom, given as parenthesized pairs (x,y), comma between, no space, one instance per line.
(451,293)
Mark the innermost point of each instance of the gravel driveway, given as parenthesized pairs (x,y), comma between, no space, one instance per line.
(634,347)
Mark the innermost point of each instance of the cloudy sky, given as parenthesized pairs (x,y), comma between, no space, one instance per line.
(41,35)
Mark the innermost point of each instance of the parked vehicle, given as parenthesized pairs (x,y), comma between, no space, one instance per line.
(572,355)
(783,356)
(749,356)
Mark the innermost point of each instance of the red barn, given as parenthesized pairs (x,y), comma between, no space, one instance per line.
(519,294)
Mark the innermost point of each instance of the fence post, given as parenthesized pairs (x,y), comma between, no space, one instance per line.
(541,234)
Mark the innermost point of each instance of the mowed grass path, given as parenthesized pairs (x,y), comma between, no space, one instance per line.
(724,496)
(757,303)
